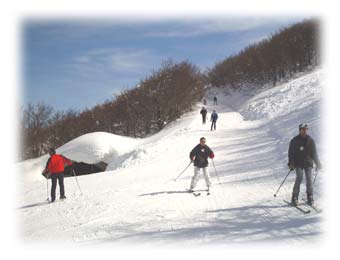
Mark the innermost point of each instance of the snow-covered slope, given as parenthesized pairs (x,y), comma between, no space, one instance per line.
(136,200)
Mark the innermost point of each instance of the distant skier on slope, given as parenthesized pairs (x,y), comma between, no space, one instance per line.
(204,114)
(301,154)
(215,100)
(55,168)
(204,101)
(213,119)
(199,155)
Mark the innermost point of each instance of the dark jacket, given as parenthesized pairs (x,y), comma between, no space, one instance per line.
(302,152)
(203,112)
(213,117)
(201,154)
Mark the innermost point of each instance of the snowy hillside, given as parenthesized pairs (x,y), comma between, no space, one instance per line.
(137,201)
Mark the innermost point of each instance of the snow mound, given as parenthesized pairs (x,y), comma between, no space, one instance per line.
(98,146)
(89,148)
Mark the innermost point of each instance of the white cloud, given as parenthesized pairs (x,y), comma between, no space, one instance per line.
(113,62)
(130,59)
(201,26)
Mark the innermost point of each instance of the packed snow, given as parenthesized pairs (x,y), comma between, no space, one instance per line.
(137,201)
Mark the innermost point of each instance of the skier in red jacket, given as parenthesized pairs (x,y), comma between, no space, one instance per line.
(55,168)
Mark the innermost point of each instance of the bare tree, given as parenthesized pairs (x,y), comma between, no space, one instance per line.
(35,122)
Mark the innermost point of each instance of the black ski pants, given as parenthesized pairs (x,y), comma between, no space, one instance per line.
(60,178)
(204,117)
(213,125)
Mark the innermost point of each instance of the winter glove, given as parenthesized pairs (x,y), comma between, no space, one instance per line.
(211,155)
(291,166)
(318,167)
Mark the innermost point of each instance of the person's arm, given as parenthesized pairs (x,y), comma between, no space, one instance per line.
(46,170)
(315,155)
(193,153)
(66,160)
(291,155)
(211,153)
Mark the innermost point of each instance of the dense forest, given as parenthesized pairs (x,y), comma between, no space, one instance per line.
(171,90)
(291,50)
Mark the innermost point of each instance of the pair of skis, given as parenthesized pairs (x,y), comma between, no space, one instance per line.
(315,208)
(48,201)
(196,193)
(301,209)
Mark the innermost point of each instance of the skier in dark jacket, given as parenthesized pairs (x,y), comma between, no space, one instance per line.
(213,119)
(204,114)
(301,155)
(215,100)
(55,168)
(199,155)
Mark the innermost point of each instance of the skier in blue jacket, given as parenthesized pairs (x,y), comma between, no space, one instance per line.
(213,119)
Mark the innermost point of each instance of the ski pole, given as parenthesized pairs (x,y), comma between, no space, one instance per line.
(216,171)
(77,181)
(183,171)
(282,183)
(317,171)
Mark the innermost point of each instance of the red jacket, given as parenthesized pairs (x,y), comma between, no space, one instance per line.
(56,163)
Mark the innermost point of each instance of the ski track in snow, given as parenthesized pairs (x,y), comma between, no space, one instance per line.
(137,202)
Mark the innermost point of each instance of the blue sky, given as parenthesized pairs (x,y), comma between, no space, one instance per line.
(80,63)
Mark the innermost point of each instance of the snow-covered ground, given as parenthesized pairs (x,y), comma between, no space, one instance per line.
(137,202)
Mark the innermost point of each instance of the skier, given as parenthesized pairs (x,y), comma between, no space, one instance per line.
(301,154)
(213,119)
(199,155)
(204,114)
(204,101)
(215,100)
(55,168)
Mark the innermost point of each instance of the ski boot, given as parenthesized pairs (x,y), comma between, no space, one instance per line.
(310,200)
(294,201)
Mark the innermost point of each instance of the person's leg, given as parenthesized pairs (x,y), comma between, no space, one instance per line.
(215,125)
(212,124)
(206,177)
(61,185)
(54,186)
(309,185)
(194,179)
(298,180)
